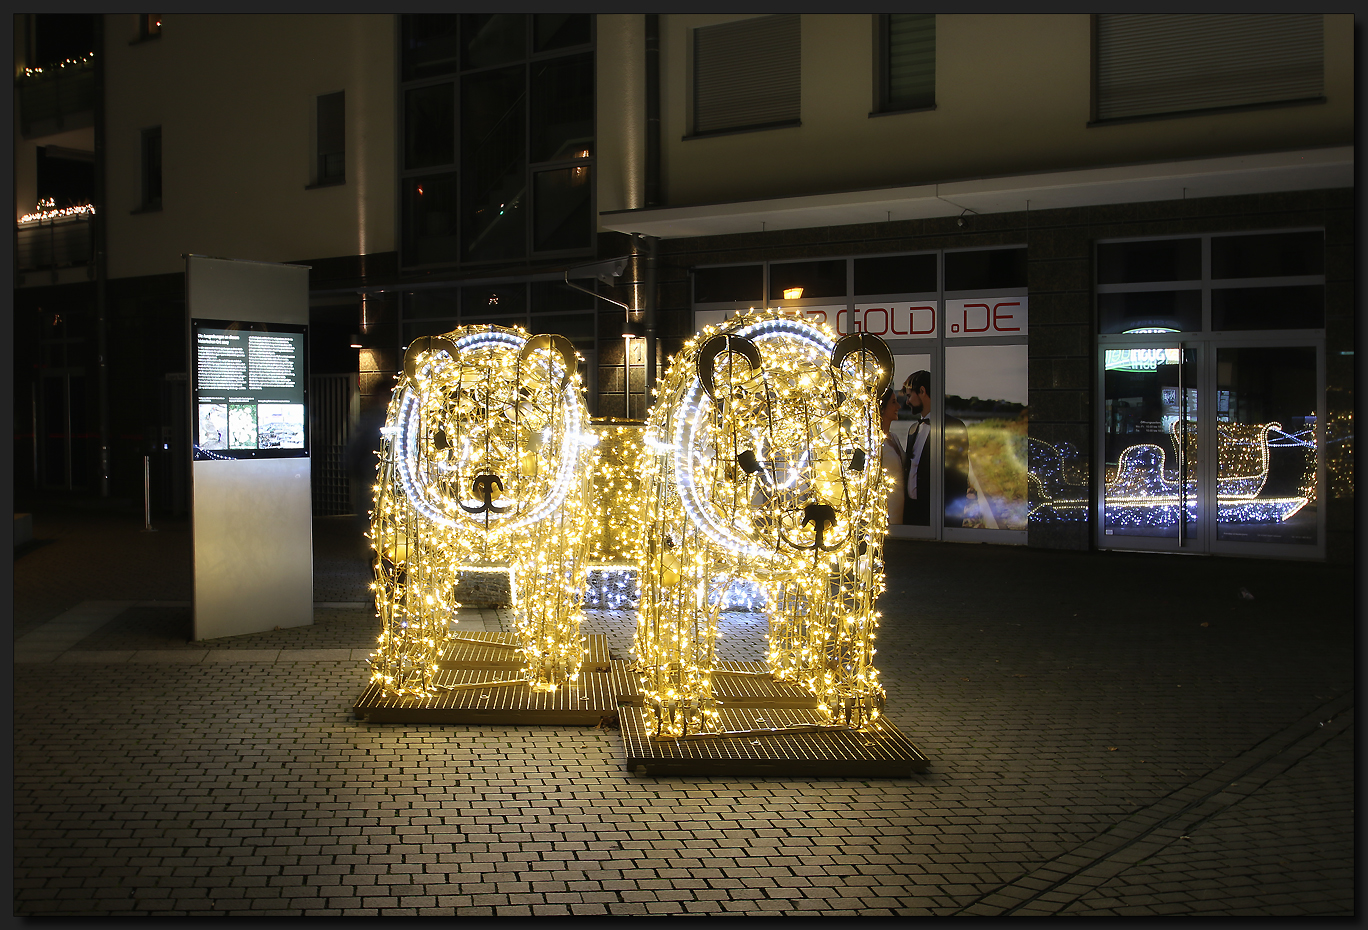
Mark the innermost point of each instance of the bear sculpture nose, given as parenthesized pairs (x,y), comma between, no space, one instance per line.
(821,516)
(483,486)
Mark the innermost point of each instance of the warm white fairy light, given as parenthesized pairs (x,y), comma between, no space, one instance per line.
(483,467)
(765,480)
(87,59)
(47,210)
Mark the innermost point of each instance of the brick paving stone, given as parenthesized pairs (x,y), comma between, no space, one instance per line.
(255,770)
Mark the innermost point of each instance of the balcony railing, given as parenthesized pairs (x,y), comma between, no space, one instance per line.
(56,242)
(50,97)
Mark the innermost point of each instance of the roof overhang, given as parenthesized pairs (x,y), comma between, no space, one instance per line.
(1264,173)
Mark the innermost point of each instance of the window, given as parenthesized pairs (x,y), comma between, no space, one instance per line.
(907,62)
(985,269)
(1161,64)
(1210,424)
(1245,281)
(746,74)
(151,169)
(493,162)
(497,137)
(895,274)
(65,176)
(792,280)
(735,283)
(331,133)
(149,26)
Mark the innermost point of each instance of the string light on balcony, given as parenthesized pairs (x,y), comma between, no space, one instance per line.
(70,62)
(48,210)
(755,482)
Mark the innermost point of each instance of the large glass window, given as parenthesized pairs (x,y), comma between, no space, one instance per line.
(430,218)
(562,108)
(494,164)
(508,101)
(1266,444)
(985,436)
(896,274)
(792,280)
(729,284)
(429,45)
(493,38)
(430,126)
(1212,360)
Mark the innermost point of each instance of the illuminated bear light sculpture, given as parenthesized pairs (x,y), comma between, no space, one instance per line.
(762,463)
(484,464)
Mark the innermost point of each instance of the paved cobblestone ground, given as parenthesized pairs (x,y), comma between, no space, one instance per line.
(1108,734)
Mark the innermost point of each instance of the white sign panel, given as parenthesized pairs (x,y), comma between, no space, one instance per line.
(986,316)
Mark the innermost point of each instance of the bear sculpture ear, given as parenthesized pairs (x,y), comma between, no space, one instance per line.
(709,351)
(554,343)
(874,346)
(430,344)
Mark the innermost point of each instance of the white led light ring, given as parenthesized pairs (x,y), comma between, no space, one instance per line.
(696,407)
(415,488)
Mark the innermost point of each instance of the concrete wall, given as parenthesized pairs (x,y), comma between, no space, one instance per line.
(1012,96)
(234,95)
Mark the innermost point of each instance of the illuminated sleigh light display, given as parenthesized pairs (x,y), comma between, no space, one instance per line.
(761,465)
(1141,494)
(483,465)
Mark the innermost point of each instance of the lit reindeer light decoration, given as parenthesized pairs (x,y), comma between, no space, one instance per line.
(483,464)
(761,463)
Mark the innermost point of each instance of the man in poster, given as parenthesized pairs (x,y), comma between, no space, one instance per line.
(892,456)
(917,509)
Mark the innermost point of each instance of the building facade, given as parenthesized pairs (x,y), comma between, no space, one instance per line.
(1112,257)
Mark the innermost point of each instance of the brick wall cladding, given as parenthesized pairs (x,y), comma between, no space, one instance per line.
(1062,347)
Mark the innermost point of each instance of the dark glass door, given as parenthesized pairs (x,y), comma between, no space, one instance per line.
(1267,462)
(1152,495)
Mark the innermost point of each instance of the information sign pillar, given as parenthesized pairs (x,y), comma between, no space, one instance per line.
(251,504)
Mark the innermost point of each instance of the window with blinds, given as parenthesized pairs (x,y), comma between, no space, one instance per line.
(1160,64)
(907,66)
(746,74)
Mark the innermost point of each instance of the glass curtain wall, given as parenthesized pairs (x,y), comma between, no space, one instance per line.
(497,137)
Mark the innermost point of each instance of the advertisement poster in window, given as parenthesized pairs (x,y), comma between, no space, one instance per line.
(985,437)
(902,443)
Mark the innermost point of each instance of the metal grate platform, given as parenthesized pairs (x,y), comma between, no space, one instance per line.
(756,690)
(494,651)
(752,688)
(587,702)
(881,751)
